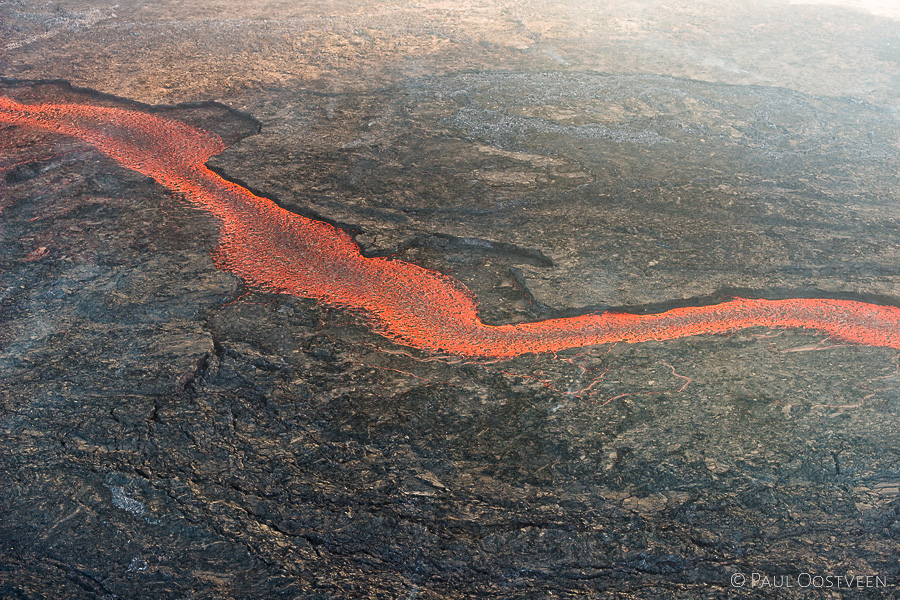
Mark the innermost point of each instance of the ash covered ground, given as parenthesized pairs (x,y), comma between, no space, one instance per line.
(169,433)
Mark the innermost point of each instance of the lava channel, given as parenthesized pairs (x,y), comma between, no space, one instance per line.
(279,251)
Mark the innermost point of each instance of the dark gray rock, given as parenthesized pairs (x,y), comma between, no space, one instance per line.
(168,433)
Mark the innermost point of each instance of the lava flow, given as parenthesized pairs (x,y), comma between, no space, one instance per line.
(282,252)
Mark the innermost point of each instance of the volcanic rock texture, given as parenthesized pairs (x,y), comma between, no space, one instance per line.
(170,432)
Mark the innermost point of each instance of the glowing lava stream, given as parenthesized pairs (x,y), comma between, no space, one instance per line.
(282,252)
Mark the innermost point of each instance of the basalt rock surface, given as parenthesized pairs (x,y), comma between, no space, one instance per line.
(168,432)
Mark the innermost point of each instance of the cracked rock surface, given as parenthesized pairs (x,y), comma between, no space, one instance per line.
(167,432)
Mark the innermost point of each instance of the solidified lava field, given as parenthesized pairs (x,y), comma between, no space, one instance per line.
(405,303)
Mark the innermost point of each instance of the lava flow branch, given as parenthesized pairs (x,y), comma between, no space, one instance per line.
(278,251)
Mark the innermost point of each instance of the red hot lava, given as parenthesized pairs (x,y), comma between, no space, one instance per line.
(282,252)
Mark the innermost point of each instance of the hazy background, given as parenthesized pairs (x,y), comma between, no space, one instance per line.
(170,51)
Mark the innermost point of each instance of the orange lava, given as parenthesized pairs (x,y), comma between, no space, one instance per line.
(281,252)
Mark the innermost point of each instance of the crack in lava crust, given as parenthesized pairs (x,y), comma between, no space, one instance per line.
(278,251)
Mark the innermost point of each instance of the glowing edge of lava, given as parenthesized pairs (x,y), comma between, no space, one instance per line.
(279,251)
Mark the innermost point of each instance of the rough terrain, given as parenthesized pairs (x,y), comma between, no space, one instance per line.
(169,433)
